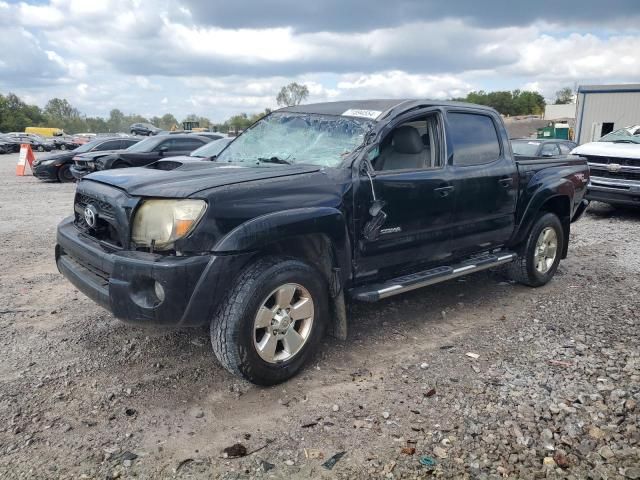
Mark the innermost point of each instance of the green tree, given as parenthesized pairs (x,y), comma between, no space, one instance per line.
(116,121)
(292,94)
(516,102)
(16,115)
(167,121)
(564,96)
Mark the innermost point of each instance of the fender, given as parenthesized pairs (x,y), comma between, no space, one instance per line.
(539,191)
(105,162)
(273,227)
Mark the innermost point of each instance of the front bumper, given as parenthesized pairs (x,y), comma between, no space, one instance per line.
(79,172)
(615,192)
(46,172)
(123,282)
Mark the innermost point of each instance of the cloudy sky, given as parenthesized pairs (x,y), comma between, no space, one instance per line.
(218,58)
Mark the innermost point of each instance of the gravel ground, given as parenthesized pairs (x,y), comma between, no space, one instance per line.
(553,392)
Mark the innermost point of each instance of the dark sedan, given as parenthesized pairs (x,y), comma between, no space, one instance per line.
(144,129)
(539,147)
(37,142)
(65,142)
(143,153)
(57,167)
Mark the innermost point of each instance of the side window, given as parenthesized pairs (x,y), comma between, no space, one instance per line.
(187,144)
(474,137)
(411,145)
(110,145)
(564,149)
(168,144)
(549,150)
(127,143)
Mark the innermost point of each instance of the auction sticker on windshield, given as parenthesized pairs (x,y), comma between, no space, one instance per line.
(355,112)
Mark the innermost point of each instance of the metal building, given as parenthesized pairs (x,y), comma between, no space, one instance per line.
(604,108)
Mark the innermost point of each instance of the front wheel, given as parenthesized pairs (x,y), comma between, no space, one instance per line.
(40,148)
(272,320)
(540,256)
(65,175)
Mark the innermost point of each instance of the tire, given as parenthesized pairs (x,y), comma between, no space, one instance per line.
(65,175)
(236,339)
(40,148)
(63,147)
(533,270)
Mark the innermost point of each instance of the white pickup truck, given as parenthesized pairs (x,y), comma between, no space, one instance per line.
(614,161)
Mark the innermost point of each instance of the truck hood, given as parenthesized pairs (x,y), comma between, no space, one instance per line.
(609,149)
(181,177)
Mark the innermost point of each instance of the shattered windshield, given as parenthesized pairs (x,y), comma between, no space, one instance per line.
(290,138)
(623,135)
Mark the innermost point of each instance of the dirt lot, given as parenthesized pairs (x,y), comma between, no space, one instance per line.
(553,393)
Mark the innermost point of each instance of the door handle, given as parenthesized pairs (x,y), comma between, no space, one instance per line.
(444,191)
(506,182)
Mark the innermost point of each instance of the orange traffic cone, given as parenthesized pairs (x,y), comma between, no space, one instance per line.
(26,157)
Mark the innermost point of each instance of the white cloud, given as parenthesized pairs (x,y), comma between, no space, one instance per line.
(131,54)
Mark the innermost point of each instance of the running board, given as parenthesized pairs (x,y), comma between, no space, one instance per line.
(378,291)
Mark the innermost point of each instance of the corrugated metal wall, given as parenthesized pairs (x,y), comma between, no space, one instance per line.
(594,108)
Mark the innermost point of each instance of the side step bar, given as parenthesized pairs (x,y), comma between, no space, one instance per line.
(405,283)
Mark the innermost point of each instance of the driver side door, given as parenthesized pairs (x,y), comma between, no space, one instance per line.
(418,202)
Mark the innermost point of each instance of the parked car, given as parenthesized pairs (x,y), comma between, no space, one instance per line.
(5,147)
(208,151)
(614,161)
(143,153)
(313,205)
(65,142)
(37,142)
(57,166)
(144,129)
(541,148)
(210,135)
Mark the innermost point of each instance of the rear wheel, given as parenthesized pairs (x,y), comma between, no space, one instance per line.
(540,254)
(272,321)
(64,174)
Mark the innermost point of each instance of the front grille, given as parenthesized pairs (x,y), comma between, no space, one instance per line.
(106,227)
(627,162)
(103,207)
(598,172)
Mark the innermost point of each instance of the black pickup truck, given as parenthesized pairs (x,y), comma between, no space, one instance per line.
(310,208)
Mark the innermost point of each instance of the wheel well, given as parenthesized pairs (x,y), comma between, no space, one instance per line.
(561,206)
(317,250)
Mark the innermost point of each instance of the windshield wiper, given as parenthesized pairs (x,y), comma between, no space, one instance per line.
(280,161)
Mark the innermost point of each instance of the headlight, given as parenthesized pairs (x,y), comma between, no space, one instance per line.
(46,162)
(161,222)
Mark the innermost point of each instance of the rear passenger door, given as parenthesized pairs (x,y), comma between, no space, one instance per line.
(484,178)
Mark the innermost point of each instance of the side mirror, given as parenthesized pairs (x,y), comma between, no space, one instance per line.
(163,150)
(547,155)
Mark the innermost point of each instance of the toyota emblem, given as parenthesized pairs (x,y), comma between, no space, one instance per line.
(614,167)
(90,215)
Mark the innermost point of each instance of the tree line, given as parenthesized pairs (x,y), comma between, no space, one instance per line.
(16,115)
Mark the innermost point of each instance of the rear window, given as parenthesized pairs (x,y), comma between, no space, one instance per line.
(528,149)
(474,137)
